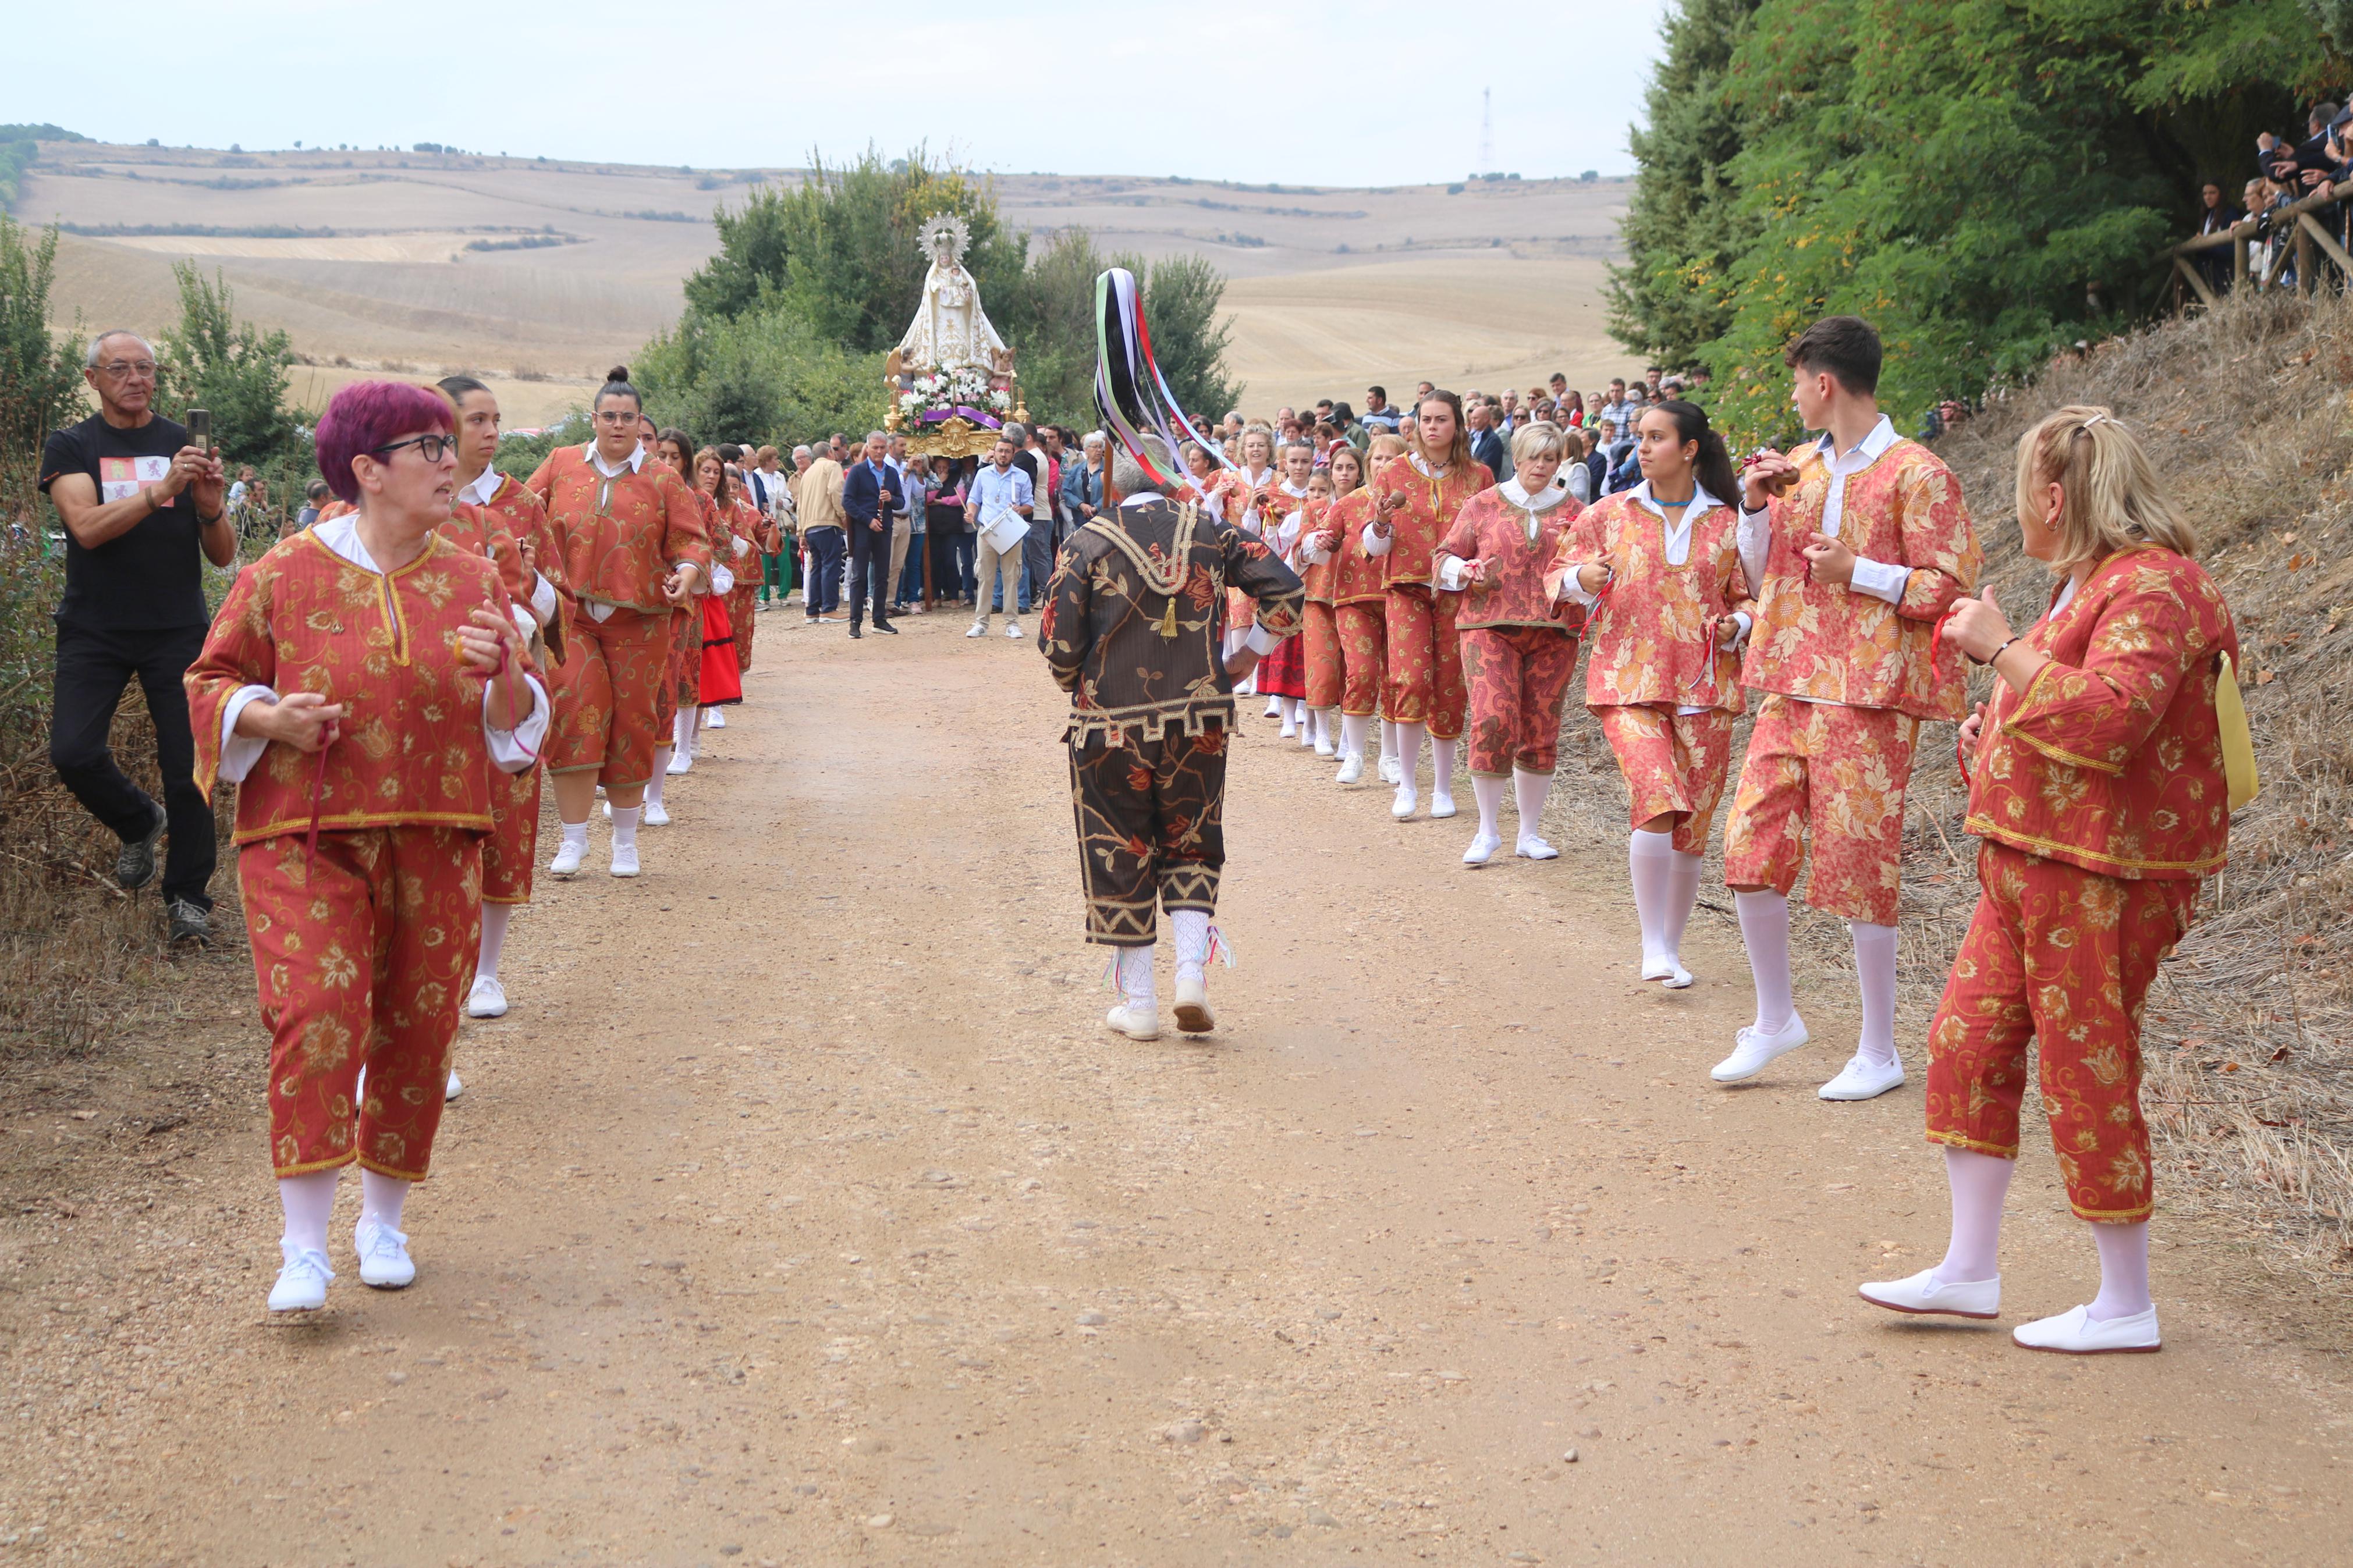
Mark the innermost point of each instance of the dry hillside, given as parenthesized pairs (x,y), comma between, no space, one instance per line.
(541,273)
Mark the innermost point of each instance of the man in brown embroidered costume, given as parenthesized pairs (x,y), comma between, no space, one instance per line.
(1132,630)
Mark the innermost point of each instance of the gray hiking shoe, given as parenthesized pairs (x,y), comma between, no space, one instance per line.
(191,921)
(135,866)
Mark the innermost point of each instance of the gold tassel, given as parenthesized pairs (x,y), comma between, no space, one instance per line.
(1167,627)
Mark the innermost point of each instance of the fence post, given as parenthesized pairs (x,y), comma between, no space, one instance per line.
(2238,258)
(2305,261)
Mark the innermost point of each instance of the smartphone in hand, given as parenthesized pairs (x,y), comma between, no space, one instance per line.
(200,428)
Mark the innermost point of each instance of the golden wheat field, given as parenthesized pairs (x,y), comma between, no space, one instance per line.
(538,274)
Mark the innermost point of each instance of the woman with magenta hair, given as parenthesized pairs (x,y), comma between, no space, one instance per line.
(360,686)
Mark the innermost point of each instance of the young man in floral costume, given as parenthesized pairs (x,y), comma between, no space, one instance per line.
(1132,631)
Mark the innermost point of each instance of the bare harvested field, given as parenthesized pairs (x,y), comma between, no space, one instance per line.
(538,274)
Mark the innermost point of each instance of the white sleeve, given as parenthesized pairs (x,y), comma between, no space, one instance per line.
(521,618)
(742,545)
(1314,554)
(1755,539)
(1263,642)
(1287,534)
(722,581)
(1572,592)
(513,750)
(239,752)
(1880,579)
(1377,543)
(1449,573)
(542,599)
(1746,626)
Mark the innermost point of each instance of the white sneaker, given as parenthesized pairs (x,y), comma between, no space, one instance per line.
(1752,1051)
(1535,846)
(979,629)
(1407,801)
(487,999)
(453,1088)
(1668,968)
(1924,1296)
(2076,1333)
(302,1282)
(568,857)
(679,762)
(385,1262)
(1483,849)
(1192,1014)
(1013,630)
(625,859)
(653,816)
(1273,707)
(1324,746)
(1390,772)
(1442,805)
(1859,1080)
(1135,1023)
(715,718)
(1352,768)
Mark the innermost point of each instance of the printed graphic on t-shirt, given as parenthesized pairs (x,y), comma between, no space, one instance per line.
(120,479)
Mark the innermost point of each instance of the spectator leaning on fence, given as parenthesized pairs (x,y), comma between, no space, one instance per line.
(141,508)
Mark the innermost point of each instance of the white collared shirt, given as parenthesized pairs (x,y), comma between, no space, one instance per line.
(511,750)
(1678,554)
(481,491)
(629,464)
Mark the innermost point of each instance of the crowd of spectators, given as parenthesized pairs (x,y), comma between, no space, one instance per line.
(2285,173)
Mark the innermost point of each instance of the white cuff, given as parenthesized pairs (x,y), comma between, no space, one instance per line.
(597,610)
(542,599)
(522,621)
(239,752)
(1880,579)
(515,750)
(722,581)
(1746,626)
(1449,573)
(1314,555)
(1377,543)
(742,545)
(1261,642)
(1753,539)
(1573,591)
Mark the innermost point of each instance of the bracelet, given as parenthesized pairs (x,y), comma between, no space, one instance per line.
(2003,650)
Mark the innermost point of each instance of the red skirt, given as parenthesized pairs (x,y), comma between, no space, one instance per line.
(722,680)
(1283,672)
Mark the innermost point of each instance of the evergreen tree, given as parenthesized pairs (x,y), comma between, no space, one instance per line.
(233,369)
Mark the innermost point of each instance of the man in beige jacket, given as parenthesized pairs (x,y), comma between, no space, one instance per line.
(816,497)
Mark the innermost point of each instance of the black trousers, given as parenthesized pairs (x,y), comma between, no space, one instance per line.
(93,669)
(869,569)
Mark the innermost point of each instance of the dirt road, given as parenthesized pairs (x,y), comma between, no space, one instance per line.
(803,1213)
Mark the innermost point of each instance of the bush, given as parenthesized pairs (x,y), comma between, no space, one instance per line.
(235,370)
(40,380)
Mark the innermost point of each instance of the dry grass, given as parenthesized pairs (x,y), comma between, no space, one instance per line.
(2249,1086)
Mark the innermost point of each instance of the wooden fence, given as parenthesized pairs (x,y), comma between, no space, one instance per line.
(2310,237)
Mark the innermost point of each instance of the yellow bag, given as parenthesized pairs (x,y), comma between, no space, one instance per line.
(2238,743)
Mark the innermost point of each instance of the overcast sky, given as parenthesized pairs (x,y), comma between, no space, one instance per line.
(1382,93)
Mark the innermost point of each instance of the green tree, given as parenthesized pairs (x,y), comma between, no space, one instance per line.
(1985,180)
(1666,302)
(232,368)
(40,378)
(767,376)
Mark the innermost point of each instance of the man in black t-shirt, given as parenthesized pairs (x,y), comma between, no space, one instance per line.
(142,509)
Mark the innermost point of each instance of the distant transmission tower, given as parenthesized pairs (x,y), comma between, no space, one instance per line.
(1486,130)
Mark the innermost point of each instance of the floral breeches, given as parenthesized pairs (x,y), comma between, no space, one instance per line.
(1364,656)
(742,615)
(1827,780)
(609,695)
(1150,828)
(1319,639)
(1674,764)
(1517,677)
(1423,684)
(2065,957)
(513,838)
(363,963)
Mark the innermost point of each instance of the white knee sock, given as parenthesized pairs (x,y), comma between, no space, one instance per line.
(1682,892)
(1649,864)
(1765,928)
(1489,792)
(1288,708)
(309,1203)
(661,771)
(1874,971)
(577,833)
(1442,766)
(1388,738)
(2123,1270)
(1191,928)
(1528,791)
(1135,981)
(1352,732)
(1408,749)
(381,1197)
(494,933)
(625,826)
(691,718)
(681,731)
(1980,1184)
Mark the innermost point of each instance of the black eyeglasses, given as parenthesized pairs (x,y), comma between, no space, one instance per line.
(428,448)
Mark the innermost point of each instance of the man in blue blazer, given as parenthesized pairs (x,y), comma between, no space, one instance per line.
(870,495)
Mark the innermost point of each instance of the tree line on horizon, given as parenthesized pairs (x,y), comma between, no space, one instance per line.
(1987,181)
